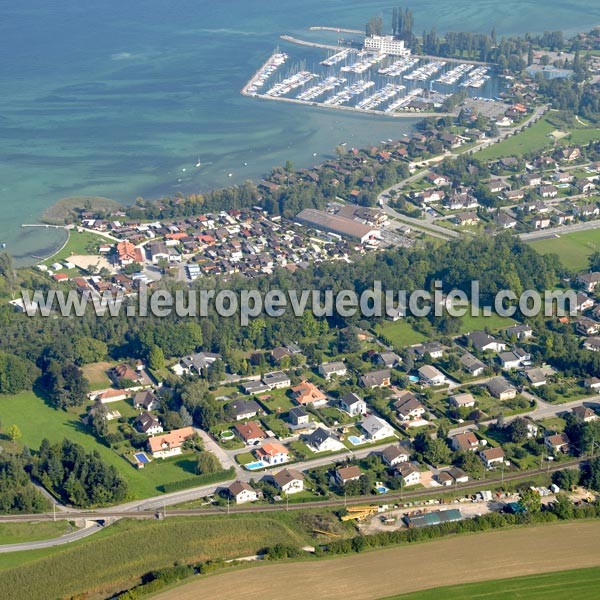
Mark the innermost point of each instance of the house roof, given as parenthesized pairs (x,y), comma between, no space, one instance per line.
(466,440)
(492,453)
(271,449)
(392,452)
(249,431)
(171,440)
(146,421)
(317,437)
(350,399)
(558,439)
(244,407)
(348,473)
(308,393)
(237,487)
(375,377)
(286,476)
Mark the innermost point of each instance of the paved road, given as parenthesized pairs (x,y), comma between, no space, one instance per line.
(64,539)
(558,231)
(544,410)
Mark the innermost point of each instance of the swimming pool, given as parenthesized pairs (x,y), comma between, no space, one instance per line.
(141,457)
(355,440)
(413,378)
(382,489)
(259,464)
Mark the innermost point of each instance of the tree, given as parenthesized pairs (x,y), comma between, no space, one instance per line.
(207,464)
(156,358)
(89,350)
(590,474)
(14,433)
(531,500)
(517,430)
(566,479)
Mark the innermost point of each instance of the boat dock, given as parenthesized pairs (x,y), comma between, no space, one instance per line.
(293,40)
(337,30)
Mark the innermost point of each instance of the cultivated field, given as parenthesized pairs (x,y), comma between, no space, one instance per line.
(583,584)
(115,558)
(380,574)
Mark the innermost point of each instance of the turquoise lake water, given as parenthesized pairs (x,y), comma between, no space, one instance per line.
(116,99)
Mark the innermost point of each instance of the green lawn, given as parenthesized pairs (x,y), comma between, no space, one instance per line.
(15,533)
(531,139)
(79,243)
(400,333)
(493,323)
(38,421)
(573,249)
(583,584)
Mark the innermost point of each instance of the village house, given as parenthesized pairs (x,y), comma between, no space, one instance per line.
(396,454)
(592,344)
(376,379)
(439,180)
(308,393)
(585,414)
(146,400)
(587,326)
(195,363)
(250,433)
(272,453)
(492,456)
(298,417)
(472,365)
(345,474)
(277,380)
(289,481)
(432,349)
(501,389)
(129,378)
(255,387)
(465,441)
(520,332)
(388,359)
(241,492)
(331,369)
(353,404)
(592,383)
(128,254)
(588,281)
(548,191)
(466,219)
(558,442)
(148,424)
(409,409)
(536,377)
(465,400)
(170,444)
(243,409)
(409,472)
(484,342)
(376,428)
(321,440)
(513,359)
(429,375)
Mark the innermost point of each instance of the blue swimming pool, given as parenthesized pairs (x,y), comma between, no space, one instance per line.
(413,378)
(259,464)
(141,457)
(382,489)
(355,440)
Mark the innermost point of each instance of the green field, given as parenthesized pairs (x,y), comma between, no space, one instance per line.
(400,333)
(38,421)
(15,533)
(573,249)
(492,323)
(118,556)
(531,139)
(582,584)
(79,243)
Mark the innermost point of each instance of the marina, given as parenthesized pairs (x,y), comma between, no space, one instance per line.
(385,80)
(477,78)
